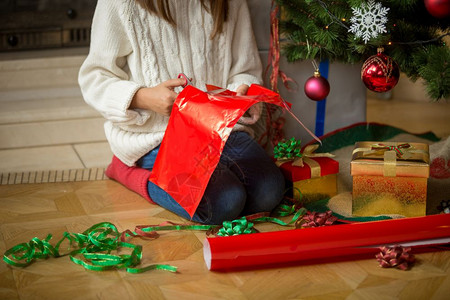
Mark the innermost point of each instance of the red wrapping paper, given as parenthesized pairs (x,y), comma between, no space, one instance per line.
(199,126)
(322,244)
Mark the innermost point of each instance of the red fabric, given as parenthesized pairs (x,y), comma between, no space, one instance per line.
(440,168)
(293,173)
(199,126)
(134,178)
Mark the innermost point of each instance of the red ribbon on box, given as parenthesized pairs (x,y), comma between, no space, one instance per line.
(199,126)
(295,173)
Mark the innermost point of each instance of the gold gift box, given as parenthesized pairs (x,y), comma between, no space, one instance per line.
(315,189)
(390,178)
(316,180)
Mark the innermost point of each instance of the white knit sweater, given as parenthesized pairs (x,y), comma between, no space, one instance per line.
(131,48)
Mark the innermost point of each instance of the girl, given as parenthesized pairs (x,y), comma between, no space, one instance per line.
(138,47)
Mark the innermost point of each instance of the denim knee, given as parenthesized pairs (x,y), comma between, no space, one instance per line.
(221,205)
(267,194)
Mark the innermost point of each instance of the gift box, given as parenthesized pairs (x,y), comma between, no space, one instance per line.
(314,175)
(390,178)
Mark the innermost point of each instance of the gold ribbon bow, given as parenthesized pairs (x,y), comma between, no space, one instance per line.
(396,148)
(307,153)
(390,152)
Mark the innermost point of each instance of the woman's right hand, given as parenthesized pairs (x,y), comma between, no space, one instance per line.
(159,98)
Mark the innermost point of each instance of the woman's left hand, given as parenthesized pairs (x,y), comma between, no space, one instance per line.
(254,111)
(242,90)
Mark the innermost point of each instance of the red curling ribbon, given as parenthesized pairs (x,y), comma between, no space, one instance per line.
(278,133)
(274,131)
(274,53)
(274,128)
(395,257)
(257,215)
(274,62)
(128,233)
(315,219)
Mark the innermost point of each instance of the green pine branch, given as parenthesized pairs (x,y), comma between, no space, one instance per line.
(318,29)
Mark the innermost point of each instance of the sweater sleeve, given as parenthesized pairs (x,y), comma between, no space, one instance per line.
(103,79)
(246,65)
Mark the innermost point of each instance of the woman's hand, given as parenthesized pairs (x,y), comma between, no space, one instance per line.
(242,90)
(254,111)
(159,98)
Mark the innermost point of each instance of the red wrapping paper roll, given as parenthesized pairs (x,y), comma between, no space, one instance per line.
(323,243)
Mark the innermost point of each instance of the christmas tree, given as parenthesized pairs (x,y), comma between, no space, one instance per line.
(351,31)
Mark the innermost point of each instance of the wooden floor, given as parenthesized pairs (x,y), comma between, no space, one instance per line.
(37,209)
(34,210)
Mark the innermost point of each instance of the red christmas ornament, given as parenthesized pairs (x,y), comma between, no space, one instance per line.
(380,73)
(317,87)
(438,8)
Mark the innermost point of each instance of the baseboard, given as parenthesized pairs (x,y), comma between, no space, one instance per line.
(53,176)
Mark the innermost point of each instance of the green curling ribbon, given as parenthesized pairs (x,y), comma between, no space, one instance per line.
(178,227)
(287,150)
(299,213)
(152,267)
(92,250)
(24,254)
(286,208)
(236,227)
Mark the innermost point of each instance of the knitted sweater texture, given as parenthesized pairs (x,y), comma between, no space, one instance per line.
(131,48)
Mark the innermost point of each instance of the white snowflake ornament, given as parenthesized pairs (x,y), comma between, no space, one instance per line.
(368,20)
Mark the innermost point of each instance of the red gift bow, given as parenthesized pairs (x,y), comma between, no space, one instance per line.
(315,219)
(395,257)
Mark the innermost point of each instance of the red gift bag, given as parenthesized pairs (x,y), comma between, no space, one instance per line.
(199,126)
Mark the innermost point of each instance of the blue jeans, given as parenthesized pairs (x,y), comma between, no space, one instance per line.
(245,181)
